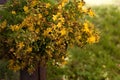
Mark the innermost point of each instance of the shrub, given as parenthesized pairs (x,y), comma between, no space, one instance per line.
(35,32)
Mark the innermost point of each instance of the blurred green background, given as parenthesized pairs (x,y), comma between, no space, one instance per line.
(100,61)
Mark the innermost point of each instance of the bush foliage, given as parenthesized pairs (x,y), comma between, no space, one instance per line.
(35,32)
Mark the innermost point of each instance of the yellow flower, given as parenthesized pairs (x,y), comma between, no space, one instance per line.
(58,14)
(91,13)
(59,24)
(63,4)
(3,24)
(65,1)
(16,67)
(14,27)
(84,10)
(47,5)
(63,62)
(31,27)
(13,12)
(38,22)
(37,30)
(91,39)
(20,45)
(85,24)
(79,37)
(25,9)
(11,62)
(86,29)
(54,17)
(39,15)
(60,6)
(63,58)
(62,19)
(63,32)
(33,3)
(46,32)
(29,49)
(81,4)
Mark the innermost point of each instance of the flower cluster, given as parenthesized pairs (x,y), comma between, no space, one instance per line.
(45,32)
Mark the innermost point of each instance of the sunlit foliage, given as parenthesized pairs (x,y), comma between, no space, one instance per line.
(38,31)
